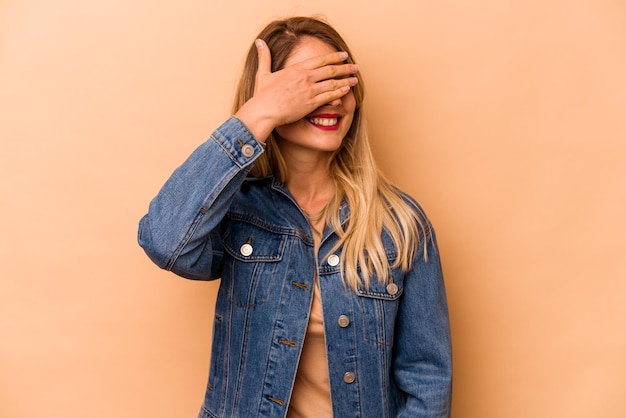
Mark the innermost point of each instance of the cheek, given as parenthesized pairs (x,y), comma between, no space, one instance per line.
(285,130)
(349,103)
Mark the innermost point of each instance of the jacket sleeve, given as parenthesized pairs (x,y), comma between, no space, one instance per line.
(180,232)
(422,350)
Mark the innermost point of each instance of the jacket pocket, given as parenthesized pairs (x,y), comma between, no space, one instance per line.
(379,307)
(252,261)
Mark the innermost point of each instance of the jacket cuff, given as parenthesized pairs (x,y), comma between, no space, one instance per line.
(238,142)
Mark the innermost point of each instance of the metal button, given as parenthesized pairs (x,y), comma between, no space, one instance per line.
(343,321)
(392,288)
(246,250)
(333,260)
(247,150)
(349,377)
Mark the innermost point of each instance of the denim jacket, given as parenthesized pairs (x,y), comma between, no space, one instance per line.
(388,347)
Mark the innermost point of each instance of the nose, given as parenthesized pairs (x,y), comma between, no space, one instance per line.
(336,102)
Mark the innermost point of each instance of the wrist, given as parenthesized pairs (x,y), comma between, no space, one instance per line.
(256,120)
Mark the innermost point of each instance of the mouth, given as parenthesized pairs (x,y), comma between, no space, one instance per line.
(327,122)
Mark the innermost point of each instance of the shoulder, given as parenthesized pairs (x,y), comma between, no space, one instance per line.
(414,206)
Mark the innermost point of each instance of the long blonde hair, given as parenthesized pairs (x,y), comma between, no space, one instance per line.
(375,205)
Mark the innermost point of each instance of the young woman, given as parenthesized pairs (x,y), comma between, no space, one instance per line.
(331,301)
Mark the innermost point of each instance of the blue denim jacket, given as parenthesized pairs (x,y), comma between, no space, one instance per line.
(388,347)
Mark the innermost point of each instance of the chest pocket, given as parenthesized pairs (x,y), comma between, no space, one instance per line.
(379,307)
(252,262)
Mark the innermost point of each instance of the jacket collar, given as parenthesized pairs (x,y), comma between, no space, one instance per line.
(344,211)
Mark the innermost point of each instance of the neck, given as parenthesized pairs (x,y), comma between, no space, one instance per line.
(311,185)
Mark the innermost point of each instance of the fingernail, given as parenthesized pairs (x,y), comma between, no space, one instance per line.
(353,81)
(343,55)
(354,68)
(259,43)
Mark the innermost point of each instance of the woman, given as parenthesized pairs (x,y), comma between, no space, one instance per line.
(331,301)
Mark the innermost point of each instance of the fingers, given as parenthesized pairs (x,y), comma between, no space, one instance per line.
(327,67)
(322,67)
(340,86)
(287,95)
(333,72)
(331,78)
(323,60)
(327,97)
(264,56)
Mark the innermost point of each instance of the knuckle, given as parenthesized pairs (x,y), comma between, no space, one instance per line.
(299,75)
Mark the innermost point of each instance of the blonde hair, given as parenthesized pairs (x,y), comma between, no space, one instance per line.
(375,205)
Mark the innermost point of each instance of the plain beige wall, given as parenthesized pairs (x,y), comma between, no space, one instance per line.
(506,119)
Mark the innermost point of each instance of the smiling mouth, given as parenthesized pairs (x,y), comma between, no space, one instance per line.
(324,121)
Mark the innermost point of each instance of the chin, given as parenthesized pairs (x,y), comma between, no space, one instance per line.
(328,141)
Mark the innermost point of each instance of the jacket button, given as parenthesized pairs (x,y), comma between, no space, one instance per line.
(343,321)
(333,260)
(349,377)
(392,288)
(246,250)
(247,150)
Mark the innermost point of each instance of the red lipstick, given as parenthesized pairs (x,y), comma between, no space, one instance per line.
(322,120)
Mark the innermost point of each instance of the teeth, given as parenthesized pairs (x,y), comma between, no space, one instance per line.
(324,121)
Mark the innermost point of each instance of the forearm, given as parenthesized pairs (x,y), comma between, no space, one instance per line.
(185,213)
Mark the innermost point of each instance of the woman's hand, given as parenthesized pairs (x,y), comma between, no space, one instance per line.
(288,95)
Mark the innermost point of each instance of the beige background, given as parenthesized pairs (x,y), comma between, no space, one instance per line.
(506,119)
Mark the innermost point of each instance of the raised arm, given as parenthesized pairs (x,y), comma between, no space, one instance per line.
(180,232)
